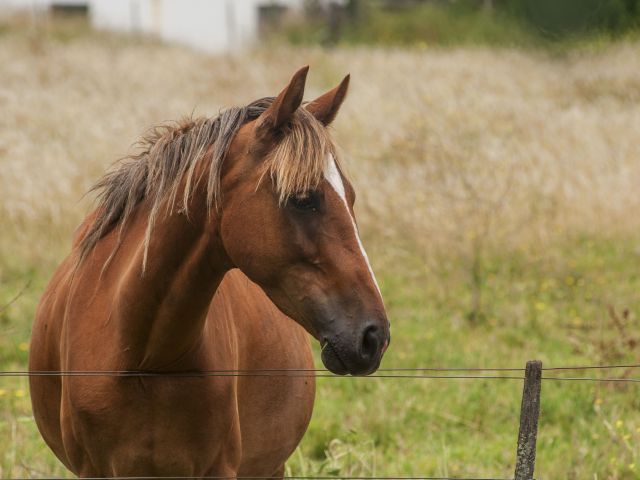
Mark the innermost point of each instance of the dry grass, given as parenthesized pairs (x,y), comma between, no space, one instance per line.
(448,148)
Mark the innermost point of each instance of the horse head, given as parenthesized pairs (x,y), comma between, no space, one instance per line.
(287,221)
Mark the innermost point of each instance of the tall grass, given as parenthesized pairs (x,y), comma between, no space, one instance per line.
(497,195)
(442,142)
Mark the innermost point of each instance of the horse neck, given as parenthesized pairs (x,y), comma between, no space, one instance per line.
(161,307)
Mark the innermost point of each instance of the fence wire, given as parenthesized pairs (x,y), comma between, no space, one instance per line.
(404,372)
(268,478)
(451,373)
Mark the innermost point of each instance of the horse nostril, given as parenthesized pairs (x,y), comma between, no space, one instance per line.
(370,342)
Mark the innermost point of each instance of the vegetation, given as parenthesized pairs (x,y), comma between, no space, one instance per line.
(497,197)
(524,23)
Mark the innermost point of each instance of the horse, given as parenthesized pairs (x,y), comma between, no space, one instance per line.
(215,248)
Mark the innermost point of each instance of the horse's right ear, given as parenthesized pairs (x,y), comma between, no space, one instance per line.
(285,104)
(325,107)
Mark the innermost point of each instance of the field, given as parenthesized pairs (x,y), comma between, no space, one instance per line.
(497,197)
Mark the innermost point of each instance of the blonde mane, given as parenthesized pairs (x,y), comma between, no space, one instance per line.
(168,155)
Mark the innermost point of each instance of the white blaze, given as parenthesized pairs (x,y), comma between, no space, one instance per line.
(332,175)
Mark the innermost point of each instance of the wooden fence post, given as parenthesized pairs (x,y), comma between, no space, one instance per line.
(529,413)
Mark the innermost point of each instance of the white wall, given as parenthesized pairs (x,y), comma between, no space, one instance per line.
(9,7)
(210,25)
(119,15)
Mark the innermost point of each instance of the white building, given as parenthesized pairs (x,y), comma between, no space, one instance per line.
(210,25)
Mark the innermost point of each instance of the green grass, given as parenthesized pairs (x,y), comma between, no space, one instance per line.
(424,25)
(553,27)
(434,25)
(558,307)
(552,309)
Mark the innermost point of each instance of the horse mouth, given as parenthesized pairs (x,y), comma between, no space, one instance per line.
(332,360)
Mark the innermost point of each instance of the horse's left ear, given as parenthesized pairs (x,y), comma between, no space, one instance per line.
(284,105)
(325,107)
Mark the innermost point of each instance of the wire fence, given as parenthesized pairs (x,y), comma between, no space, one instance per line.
(449,373)
(529,417)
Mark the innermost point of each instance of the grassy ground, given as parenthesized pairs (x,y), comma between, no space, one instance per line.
(544,24)
(497,196)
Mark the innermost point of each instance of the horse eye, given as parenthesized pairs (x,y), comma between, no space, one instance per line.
(307,201)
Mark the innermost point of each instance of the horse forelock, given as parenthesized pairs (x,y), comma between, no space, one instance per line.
(168,154)
(297,163)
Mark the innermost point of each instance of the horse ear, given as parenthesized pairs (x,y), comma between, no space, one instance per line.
(285,104)
(325,107)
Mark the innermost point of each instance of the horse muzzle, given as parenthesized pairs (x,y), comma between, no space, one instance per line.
(361,356)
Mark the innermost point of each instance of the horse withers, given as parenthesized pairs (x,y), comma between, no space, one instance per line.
(203,248)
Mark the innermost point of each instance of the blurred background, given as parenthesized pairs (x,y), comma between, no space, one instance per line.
(495,149)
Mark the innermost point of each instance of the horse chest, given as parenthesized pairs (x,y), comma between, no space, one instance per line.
(147,424)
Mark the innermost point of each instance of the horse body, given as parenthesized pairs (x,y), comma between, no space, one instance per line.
(229,290)
(237,425)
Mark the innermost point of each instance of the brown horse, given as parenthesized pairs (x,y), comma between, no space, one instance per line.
(202,249)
